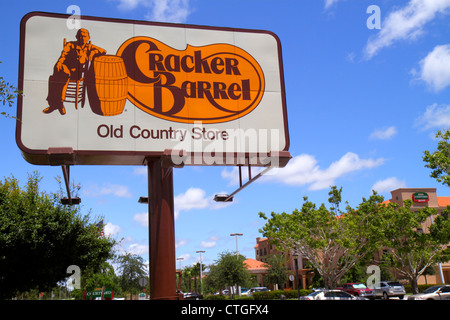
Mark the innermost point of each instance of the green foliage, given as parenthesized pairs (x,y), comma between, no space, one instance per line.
(277,270)
(439,160)
(413,250)
(336,245)
(40,238)
(8,94)
(276,295)
(132,269)
(190,280)
(216,297)
(332,244)
(229,270)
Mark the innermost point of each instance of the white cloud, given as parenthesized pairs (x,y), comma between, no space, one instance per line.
(186,257)
(304,170)
(117,190)
(388,184)
(435,68)
(195,198)
(211,243)
(384,134)
(138,249)
(141,218)
(170,11)
(233,175)
(329,3)
(435,116)
(180,243)
(128,4)
(138,171)
(111,229)
(406,23)
(159,10)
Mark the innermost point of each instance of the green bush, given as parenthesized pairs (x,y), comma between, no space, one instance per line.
(216,297)
(276,295)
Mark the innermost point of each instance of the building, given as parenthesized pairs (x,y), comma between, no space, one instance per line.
(421,197)
(257,268)
(263,249)
(425,197)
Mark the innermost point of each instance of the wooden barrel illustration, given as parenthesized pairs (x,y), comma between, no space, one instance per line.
(111,84)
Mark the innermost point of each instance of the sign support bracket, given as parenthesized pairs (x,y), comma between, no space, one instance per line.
(69,200)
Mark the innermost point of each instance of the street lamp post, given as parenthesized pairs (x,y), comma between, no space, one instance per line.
(179,259)
(201,273)
(237,255)
(236,235)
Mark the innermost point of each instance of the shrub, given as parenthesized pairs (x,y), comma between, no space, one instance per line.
(216,297)
(276,295)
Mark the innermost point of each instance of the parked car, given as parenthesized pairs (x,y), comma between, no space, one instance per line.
(439,292)
(225,291)
(192,296)
(358,289)
(330,295)
(256,289)
(245,291)
(387,289)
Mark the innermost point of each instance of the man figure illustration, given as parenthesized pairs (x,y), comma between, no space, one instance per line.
(71,64)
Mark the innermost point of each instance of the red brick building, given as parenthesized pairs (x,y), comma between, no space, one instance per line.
(263,249)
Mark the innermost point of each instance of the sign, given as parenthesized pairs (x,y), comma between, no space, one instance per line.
(119,91)
(96,294)
(420,197)
(142,296)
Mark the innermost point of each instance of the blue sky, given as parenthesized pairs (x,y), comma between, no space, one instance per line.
(363,104)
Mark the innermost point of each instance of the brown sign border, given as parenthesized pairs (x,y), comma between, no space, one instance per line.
(67,156)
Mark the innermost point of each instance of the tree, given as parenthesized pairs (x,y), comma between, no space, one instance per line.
(7,94)
(40,238)
(132,269)
(332,244)
(228,271)
(411,249)
(277,271)
(439,160)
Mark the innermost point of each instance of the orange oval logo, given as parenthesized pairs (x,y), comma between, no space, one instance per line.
(212,84)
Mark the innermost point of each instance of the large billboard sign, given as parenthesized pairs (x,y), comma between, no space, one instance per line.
(119,91)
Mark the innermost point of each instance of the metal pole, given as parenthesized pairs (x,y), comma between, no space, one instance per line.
(296,273)
(161,232)
(237,256)
(179,264)
(236,235)
(201,271)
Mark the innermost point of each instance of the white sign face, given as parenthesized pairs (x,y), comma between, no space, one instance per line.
(118,91)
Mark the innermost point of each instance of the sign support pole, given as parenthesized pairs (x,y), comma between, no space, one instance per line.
(161,222)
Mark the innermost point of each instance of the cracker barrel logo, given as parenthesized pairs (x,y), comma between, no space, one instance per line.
(214,83)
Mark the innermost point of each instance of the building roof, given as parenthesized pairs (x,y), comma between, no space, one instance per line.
(259,240)
(444,201)
(253,264)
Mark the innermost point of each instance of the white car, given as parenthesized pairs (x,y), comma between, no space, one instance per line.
(256,289)
(386,289)
(439,292)
(331,295)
